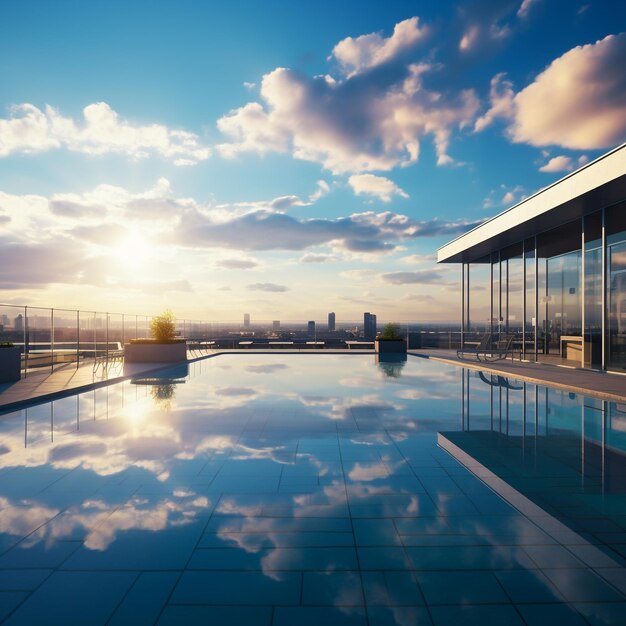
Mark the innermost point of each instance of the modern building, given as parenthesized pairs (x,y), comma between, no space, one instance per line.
(276,325)
(311,328)
(551,270)
(19,322)
(369,326)
(331,322)
(246,320)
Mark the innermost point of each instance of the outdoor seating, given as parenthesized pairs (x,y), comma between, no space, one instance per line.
(474,349)
(488,350)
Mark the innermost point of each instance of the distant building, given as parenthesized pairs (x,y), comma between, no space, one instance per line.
(276,325)
(331,322)
(311,328)
(246,320)
(19,322)
(369,326)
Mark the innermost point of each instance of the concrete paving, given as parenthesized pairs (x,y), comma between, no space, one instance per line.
(605,385)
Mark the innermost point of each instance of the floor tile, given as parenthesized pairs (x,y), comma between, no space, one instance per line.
(461,588)
(528,586)
(332,589)
(66,598)
(314,616)
(237,588)
(215,615)
(580,585)
(482,615)
(398,616)
(143,603)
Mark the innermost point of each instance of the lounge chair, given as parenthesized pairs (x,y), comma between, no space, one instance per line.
(475,350)
(503,347)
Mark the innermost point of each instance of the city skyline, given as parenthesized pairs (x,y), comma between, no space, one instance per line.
(254,165)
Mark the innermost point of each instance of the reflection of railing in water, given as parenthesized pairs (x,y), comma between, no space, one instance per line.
(495,380)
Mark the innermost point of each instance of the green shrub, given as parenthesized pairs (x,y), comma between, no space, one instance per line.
(162,327)
(391,332)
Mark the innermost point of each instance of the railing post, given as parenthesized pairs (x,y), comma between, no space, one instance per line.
(77,339)
(26,341)
(51,340)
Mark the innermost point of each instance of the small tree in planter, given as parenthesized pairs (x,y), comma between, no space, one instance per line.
(390,340)
(164,347)
(162,327)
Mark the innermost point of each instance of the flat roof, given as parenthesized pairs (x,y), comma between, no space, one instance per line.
(598,184)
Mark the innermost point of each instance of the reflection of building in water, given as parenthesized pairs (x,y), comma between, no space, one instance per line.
(563,452)
(550,271)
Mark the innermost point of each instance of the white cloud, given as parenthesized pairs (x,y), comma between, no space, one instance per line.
(323,189)
(270,287)
(577,102)
(504,196)
(564,164)
(501,97)
(249,85)
(101,131)
(376,186)
(525,7)
(423,277)
(316,258)
(367,51)
(558,164)
(237,264)
(373,118)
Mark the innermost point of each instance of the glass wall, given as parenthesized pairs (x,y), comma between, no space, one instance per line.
(615,229)
(559,261)
(593,290)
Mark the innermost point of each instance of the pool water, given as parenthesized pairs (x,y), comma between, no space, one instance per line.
(306,489)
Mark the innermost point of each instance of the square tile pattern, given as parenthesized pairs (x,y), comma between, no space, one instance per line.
(289,517)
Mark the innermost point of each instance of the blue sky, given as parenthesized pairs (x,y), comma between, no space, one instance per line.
(286,159)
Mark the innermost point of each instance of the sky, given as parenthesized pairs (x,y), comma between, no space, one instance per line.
(285,159)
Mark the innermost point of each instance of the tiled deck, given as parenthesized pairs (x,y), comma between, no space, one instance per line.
(603,385)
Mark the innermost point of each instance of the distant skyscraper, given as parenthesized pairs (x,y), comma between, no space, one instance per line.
(311,328)
(19,322)
(276,325)
(246,320)
(369,326)
(331,321)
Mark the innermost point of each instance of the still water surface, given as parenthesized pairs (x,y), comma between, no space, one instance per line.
(307,489)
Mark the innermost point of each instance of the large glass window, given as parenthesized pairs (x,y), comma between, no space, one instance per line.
(615,220)
(530,314)
(479,297)
(513,266)
(560,269)
(593,290)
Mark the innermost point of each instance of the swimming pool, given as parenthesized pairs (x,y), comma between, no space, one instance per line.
(299,489)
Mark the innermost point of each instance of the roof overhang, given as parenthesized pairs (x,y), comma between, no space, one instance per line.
(594,186)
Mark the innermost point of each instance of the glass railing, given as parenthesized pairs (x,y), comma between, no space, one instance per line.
(60,338)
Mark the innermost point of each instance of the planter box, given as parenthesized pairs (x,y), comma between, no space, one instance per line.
(394,346)
(10,365)
(155,352)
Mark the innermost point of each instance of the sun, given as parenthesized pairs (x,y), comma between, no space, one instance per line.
(134,251)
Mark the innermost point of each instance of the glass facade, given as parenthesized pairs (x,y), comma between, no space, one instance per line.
(560,295)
